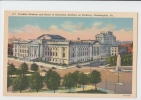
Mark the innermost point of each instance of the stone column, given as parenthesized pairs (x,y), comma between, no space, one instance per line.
(118,63)
(37,51)
(30,51)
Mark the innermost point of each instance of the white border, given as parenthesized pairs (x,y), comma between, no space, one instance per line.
(102,6)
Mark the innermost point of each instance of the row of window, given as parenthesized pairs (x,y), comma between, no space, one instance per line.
(22,55)
(81,60)
(54,60)
(21,46)
(23,51)
(114,54)
(80,54)
(80,49)
(53,48)
(53,54)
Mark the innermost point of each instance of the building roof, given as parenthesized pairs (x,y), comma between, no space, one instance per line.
(52,36)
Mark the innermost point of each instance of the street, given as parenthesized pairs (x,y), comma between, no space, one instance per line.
(109,79)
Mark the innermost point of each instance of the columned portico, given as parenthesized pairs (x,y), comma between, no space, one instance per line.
(34,51)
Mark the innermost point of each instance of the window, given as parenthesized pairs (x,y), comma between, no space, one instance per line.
(15,50)
(56,53)
(73,49)
(63,54)
(63,49)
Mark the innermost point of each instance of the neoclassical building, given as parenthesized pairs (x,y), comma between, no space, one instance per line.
(55,48)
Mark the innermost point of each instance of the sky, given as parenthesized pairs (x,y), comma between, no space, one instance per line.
(69,27)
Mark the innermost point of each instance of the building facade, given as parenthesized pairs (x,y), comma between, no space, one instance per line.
(10,49)
(56,49)
(119,50)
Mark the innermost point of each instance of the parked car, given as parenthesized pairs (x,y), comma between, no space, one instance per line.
(53,68)
(78,66)
(44,70)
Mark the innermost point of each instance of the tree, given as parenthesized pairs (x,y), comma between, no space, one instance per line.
(20,83)
(34,67)
(109,60)
(9,82)
(94,78)
(11,69)
(23,68)
(39,59)
(75,75)
(82,79)
(52,80)
(69,81)
(36,81)
(48,75)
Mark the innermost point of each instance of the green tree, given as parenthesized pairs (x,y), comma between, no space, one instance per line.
(94,77)
(23,68)
(114,59)
(11,69)
(109,60)
(82,79)
(75,75)
(35,81)
(34,67)
(48,75)
(52,80)
(20,83)
(9,82)
(69,81)
(39,59)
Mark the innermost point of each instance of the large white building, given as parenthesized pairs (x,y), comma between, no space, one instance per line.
(57,49)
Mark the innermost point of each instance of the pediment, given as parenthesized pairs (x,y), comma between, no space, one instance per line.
(97,43)
(33,42)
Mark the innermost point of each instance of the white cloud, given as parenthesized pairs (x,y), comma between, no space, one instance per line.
(97,25)
(68,25)
(103,27)
(26,29)
(53,27)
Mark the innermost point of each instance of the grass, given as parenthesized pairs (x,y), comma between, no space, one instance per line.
(92,91)
(12,57)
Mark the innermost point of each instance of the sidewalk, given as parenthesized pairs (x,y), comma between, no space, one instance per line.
(50,65)
(86,87)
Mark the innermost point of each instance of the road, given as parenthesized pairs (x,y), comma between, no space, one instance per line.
(109,79)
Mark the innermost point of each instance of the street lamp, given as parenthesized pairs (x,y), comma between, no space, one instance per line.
(115,88)
(90,66)
(106,84)
(118,77)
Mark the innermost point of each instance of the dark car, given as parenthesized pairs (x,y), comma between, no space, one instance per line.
(44,70)
(78,66)
(53,68)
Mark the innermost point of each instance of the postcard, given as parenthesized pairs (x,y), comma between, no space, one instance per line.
(70,54)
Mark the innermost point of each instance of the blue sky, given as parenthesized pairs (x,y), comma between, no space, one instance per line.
(17,23)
